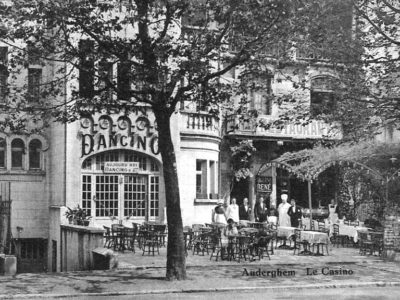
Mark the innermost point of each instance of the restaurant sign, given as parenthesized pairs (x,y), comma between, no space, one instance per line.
(264,184)
(120,167)
(314,129)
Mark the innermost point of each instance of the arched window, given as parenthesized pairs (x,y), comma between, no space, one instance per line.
(17,153)
(3,153)
(35,150)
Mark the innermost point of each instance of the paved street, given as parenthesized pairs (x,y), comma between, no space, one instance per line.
(387,293)
(143,276)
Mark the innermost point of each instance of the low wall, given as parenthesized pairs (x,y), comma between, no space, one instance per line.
(391,242)
(77,244)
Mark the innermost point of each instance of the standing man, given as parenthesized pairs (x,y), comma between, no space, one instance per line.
(245,210)
(232,212)
(295,213)
(283,208)
(260,211)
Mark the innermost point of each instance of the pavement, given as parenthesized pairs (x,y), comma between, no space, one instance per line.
(145,275)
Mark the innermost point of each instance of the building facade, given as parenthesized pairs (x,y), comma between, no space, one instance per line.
(108,163)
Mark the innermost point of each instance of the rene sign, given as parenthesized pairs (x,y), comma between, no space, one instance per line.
(264,184)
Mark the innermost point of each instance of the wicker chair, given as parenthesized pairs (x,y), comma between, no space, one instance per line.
(108,238)
(262,245)
(217,247)
(365,243)
(338,238)
(298,243)
(151,243)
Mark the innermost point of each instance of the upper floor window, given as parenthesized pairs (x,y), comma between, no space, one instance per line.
(206,179)
(322,95)
(124,79)
(3,74)
(105,78)
(33,55)
(86,68)
(3,153)
(35,150)
(260,97)
(17,154)
(34,84)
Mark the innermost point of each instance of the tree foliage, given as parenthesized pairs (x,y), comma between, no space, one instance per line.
(171,52)
(167,52)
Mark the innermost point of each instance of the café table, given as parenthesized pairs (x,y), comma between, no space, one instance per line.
(351,231)
(118,234)
(239,246)
(315,238)
(284,233)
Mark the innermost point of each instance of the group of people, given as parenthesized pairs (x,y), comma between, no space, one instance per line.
(287,214)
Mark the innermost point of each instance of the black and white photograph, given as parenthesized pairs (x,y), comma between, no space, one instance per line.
(200,149)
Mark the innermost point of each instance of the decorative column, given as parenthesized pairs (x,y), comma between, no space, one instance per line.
(252,195)
(273,192)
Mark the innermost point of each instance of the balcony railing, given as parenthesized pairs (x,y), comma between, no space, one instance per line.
(315,129)
(303,53)
(198,122)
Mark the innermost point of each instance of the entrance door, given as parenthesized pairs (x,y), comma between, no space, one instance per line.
(122,196)
(107,196)
(31,255)
(135,196)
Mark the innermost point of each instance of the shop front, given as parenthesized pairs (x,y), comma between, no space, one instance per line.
(121,185)
(121,172)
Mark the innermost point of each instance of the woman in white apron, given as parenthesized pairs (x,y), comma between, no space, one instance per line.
(218,213)
(333,216)
(284,218)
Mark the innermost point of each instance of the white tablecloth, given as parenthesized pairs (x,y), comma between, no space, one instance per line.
(272,219)
(284,231)
(350,231)
(314,237)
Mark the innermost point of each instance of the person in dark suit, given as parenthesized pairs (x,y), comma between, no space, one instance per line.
(245,210)
(295,213)
(260,211)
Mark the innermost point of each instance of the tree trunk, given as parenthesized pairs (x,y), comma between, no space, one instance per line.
(176,256)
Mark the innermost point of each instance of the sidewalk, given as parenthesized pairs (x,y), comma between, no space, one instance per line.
(145,275)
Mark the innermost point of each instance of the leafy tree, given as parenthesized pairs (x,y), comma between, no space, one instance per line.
(171,51)
(358,42)
(174,51)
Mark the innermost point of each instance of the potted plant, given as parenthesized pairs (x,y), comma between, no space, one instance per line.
(77,216)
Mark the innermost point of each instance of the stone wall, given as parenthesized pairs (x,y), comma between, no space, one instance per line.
(77,244)
(392,239)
